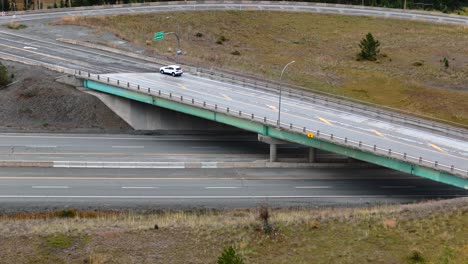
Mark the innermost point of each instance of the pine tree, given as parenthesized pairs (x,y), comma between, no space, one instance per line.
(230,256)
(369,48)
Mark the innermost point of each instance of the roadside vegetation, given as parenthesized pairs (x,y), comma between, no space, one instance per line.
(409,73)
(5,77)
(431,232)
(13,25)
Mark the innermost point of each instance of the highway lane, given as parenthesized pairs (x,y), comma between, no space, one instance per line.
(41,188)
(275,6)
(42,49)
(417,142)
(155,148)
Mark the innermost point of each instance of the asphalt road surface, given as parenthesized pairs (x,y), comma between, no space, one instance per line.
(416,142)
(26,189)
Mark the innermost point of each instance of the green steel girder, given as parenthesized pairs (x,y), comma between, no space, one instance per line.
(282,134)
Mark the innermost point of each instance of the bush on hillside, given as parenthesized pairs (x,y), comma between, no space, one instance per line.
(369,48)
(4,76)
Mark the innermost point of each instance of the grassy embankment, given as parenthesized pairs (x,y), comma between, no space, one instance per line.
(409,75)
(434,232)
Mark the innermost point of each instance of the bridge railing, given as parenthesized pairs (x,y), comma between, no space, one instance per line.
(317,134)
(339,102)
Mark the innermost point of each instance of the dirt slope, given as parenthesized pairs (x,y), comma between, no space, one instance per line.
(35,102)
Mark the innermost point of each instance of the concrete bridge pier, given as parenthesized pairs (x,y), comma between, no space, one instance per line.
(312,155)
(273,145)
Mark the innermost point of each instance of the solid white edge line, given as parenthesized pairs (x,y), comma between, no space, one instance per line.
(221,187)
(313,187)
(49,187)
(139,187)
(397,187)
(224,197)
(128,146)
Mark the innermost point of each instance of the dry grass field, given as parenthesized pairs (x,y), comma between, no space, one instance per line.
(431,232)
(408,75)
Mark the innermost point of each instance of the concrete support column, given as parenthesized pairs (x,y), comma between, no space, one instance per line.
(312,155)
(273,153)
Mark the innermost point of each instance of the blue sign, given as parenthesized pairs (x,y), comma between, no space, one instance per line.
(179,52)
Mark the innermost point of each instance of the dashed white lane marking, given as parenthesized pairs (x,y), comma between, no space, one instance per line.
(49,187)
(128,146)
(397,187)
(31,48)
(139,187)
(313,187)
(437,148)
(222,187)
(325,121)
(40,146)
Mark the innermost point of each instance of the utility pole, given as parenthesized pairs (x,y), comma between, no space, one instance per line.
(404,5)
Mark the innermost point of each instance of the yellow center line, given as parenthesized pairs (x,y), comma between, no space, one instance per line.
(325,121)
(272,107)
(438,148)
(378,133)
(227,97)
(309,119)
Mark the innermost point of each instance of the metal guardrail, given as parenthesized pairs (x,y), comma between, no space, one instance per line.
(339,102)
(342,141)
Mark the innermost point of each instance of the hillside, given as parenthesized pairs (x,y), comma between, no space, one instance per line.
(35,102)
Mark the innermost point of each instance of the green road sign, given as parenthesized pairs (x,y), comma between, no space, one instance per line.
(158,35)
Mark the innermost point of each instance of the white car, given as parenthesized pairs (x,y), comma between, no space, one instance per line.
(173,70)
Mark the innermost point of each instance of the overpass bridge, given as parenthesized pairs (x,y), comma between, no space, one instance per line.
(426,149)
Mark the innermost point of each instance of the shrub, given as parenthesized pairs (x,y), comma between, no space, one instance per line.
(416,256)
(235,53)
(265,217)
(16,26)
(369,48)
(4,78)
(445,62)
(67,213)
(199,35)
(418,63)
(229,256)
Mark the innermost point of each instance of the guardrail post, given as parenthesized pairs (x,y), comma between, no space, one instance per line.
(227,109)
(290,126)
(331,136)
(107,79)
(89,75)
(451,168)
(375,147)
(98,77)
(240,113)
(138,87)
(182,98)
(404,155)
(204,103)
(345,140)
(159,92)
(304,129)
(170,95)
(117,82)
(193,102)
(318,133)
(264,119)
(79,72)
(420,159)
(128,84)
(435,164)
(216,107)
(149,91)
(389,151)
(252,116)
(360,144)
